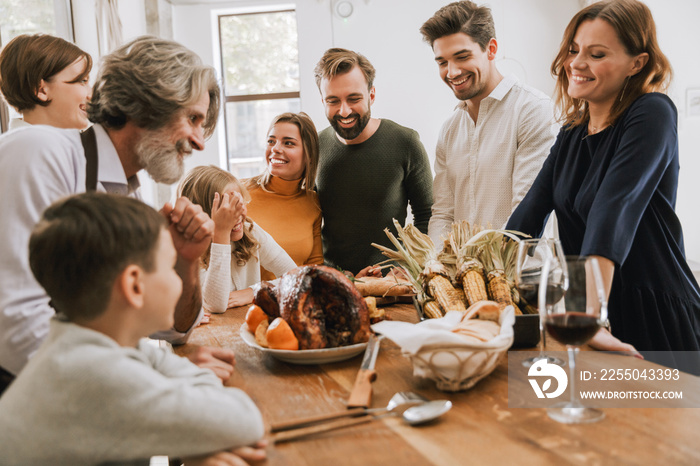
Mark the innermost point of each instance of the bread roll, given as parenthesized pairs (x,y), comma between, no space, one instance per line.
(484,310)
(382,286)
(375,314)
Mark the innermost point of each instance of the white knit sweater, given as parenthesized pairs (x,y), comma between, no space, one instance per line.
(223,275)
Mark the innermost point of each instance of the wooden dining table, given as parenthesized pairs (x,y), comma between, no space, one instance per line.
(479,429)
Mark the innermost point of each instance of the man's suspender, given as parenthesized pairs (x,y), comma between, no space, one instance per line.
(87,137)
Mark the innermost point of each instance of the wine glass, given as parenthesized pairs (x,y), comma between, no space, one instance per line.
(532,256)
(585,309)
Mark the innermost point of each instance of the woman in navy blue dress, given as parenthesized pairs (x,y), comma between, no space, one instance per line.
(612,176)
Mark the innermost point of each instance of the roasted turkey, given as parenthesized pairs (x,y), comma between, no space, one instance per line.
(266,297)
(320,304)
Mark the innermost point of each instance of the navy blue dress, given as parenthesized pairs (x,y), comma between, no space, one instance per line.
(614,195)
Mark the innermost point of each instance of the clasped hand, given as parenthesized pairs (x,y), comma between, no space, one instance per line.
(190,227)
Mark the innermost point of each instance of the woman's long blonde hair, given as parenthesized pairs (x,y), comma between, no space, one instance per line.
(309,142)
(635,27)
(199,186)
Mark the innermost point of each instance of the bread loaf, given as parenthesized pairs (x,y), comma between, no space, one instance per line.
(382,286)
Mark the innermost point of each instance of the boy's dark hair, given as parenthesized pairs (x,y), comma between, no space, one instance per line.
(82,243)
(467,17)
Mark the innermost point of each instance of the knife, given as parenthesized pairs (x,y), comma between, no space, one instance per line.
(361,394)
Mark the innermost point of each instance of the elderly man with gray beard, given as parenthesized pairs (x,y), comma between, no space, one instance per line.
(152,104)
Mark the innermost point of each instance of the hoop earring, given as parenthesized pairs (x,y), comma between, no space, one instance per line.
(622,94)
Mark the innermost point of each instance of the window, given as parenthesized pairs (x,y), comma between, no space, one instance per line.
(260,65)
(30,17)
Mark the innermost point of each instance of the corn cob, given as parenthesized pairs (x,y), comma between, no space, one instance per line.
(432,310)
(440,288)
(517,302)
(498,288)
(460,293)
(469,269)
(472,278)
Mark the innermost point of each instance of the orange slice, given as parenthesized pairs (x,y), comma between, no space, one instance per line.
(280,336)
(254,316)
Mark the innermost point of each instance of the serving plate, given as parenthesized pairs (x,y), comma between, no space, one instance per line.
(307,357)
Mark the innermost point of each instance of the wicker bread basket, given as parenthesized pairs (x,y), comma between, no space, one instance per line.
(454,364)
(455,369)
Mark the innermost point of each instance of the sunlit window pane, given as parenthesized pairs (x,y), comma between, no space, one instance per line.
(26,17)
(246,126)
(260,54)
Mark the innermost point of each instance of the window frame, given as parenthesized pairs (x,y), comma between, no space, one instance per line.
(248,97)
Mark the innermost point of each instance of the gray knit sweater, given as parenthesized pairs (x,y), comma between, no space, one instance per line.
(362,187)
(85,400)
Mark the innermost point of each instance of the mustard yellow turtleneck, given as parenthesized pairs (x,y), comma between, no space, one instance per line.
(292,217)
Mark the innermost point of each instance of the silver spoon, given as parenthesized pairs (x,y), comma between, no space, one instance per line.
(399,403)
(426,412)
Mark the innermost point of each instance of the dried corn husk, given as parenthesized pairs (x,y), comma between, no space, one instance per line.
(416,254)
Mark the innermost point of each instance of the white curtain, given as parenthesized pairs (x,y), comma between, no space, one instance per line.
(109,26)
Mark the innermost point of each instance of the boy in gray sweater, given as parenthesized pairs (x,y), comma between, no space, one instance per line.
(96,391)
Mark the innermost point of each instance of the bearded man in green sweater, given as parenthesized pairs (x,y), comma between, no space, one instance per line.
(369,170)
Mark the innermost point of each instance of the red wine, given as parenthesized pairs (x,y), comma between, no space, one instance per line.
(529,292)
(572,328)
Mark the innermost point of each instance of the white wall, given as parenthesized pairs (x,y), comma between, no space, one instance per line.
(131,12)
(679,39)
(409,90)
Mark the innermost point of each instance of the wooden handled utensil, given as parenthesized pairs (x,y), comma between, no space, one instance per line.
(361,394)
(301,422)
(287,436)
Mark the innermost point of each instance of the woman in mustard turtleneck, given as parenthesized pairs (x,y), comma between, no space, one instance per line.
(283,200)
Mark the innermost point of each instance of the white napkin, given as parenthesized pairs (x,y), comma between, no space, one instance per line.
(412,337)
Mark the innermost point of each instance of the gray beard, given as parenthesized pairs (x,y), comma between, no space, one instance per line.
(163,164)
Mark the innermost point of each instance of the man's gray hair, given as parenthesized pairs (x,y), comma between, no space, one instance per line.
(149,81)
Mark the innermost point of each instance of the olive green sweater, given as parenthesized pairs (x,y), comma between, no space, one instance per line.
(362,187)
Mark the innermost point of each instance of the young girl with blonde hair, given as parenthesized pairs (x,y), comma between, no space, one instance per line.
(239,247)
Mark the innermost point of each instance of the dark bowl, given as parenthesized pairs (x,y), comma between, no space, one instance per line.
(526,330)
